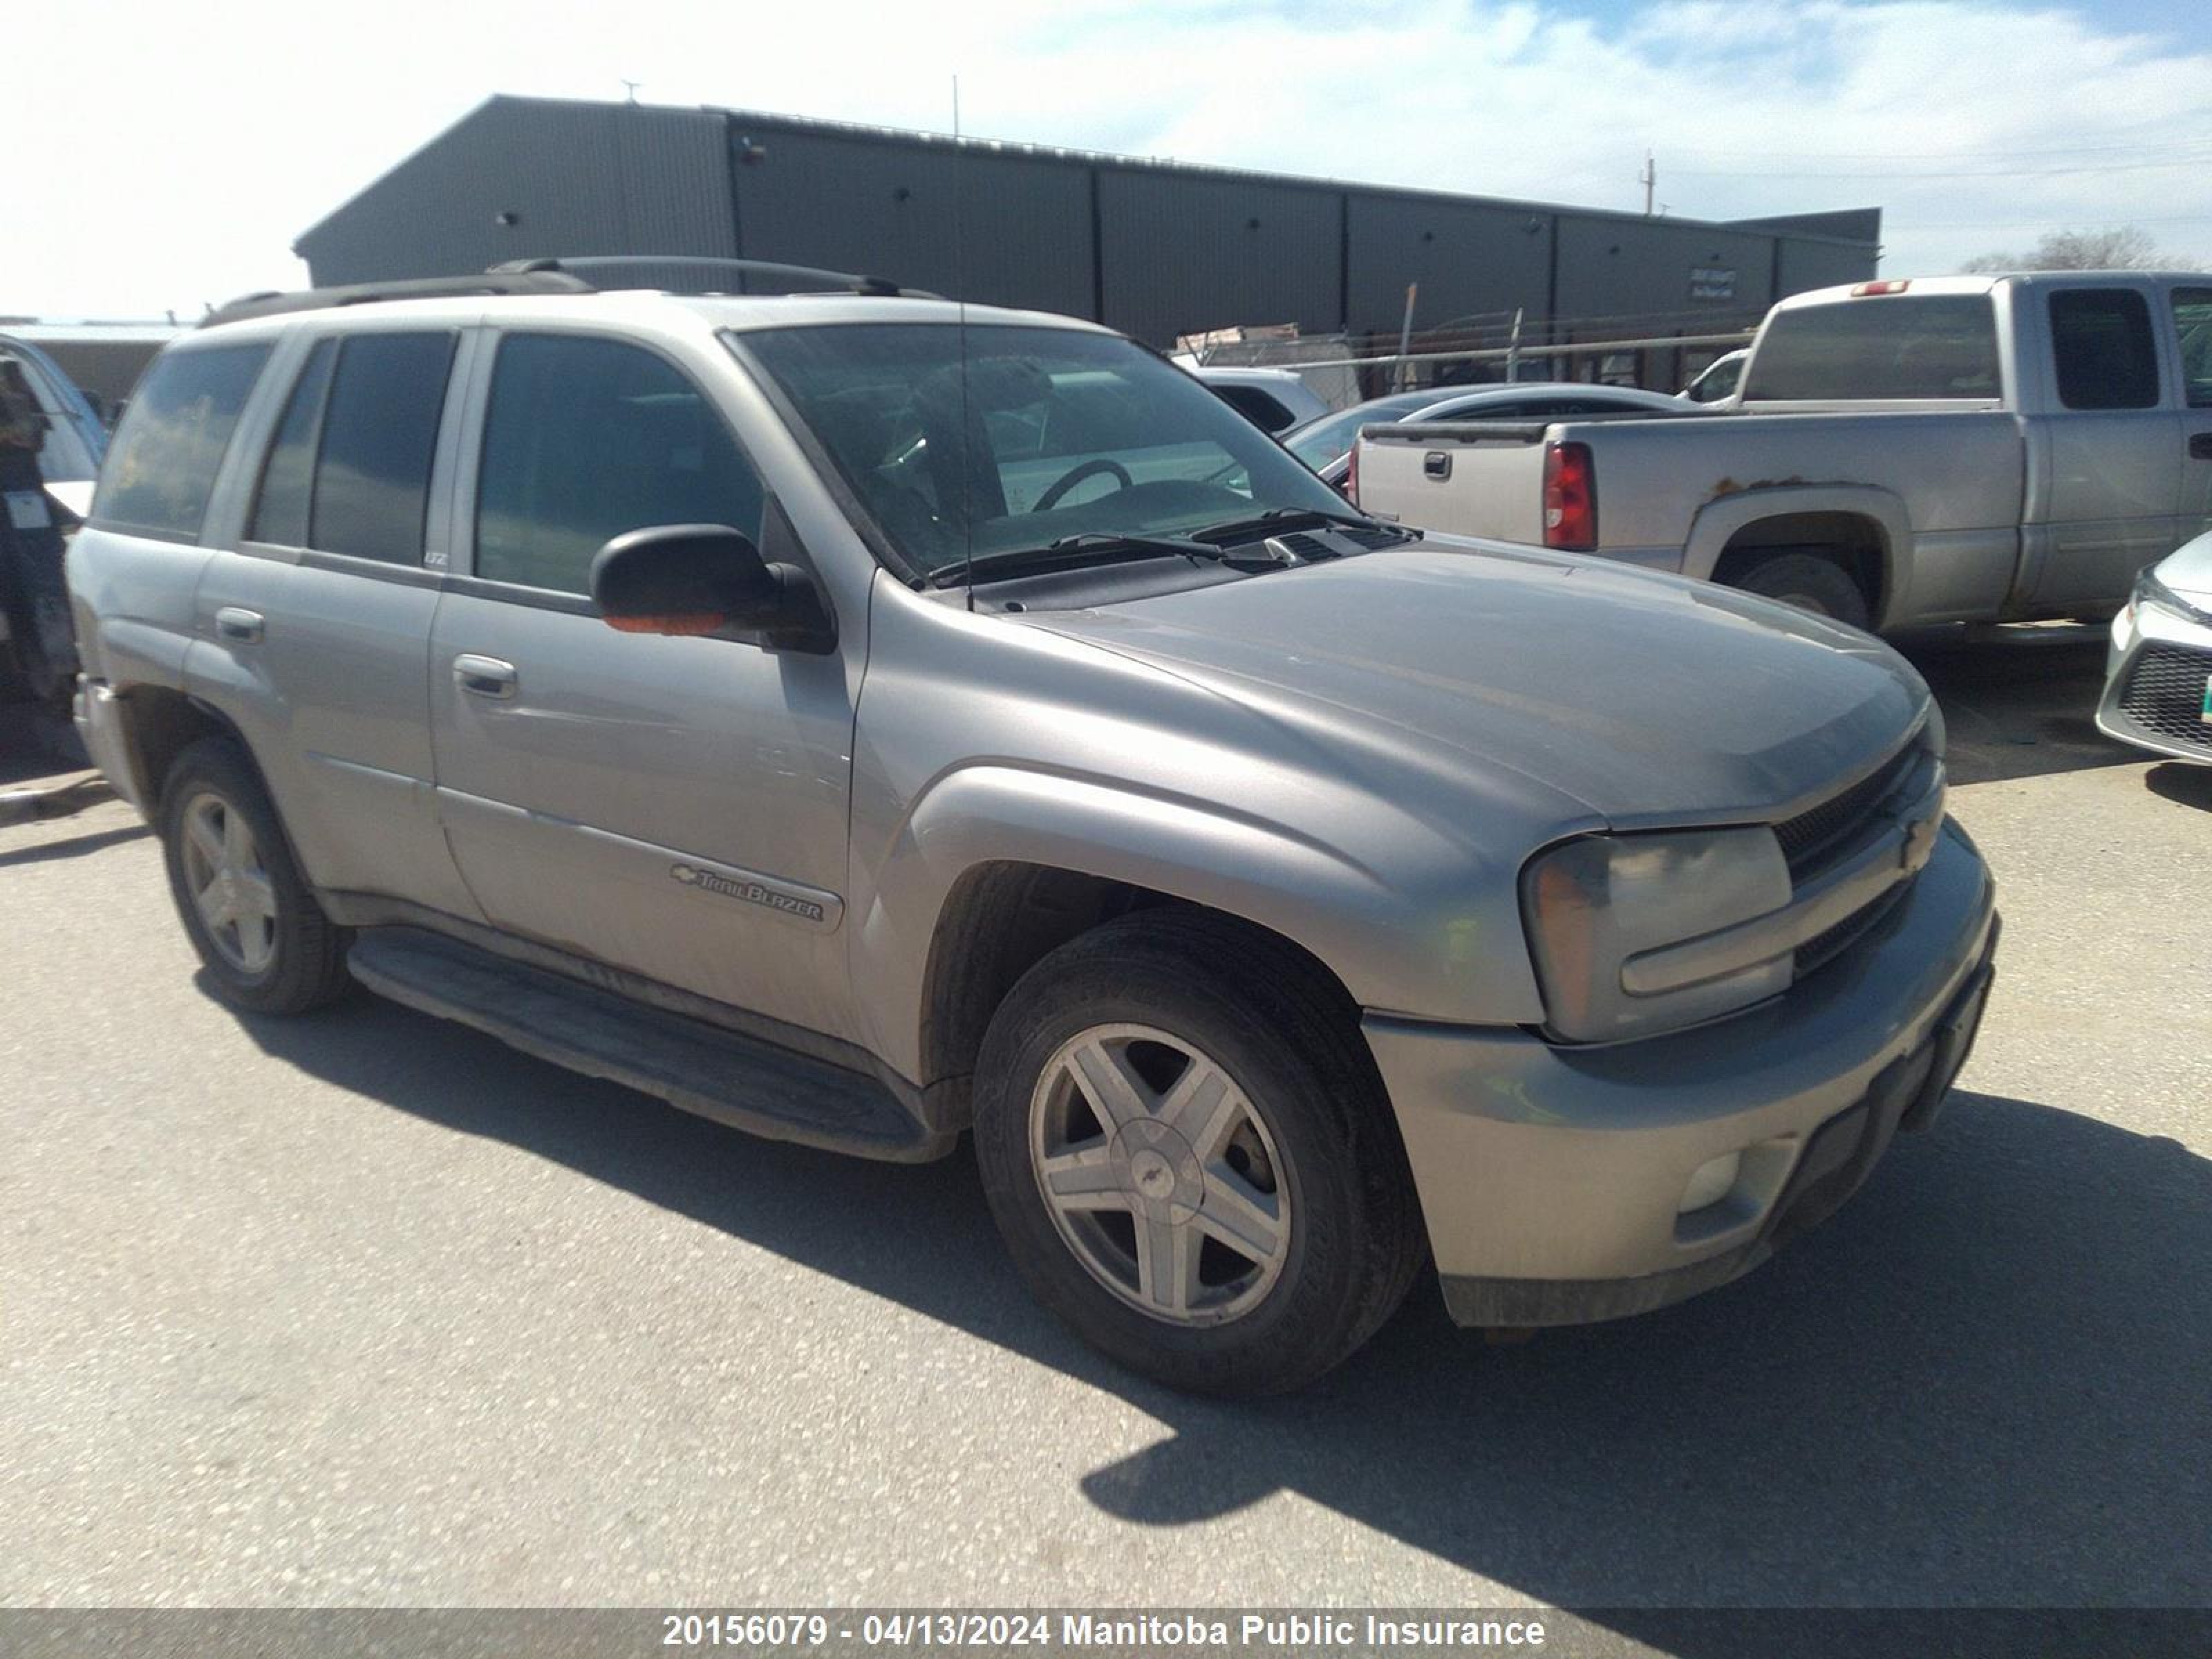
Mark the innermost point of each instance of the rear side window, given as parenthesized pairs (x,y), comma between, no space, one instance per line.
(2106,355)
(379,433)
(586,439)
(161,468)
(1879,348)
(1257,407)
(280,515)
(2192,321)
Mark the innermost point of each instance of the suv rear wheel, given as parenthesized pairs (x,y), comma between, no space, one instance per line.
(1191,1156)
(266,943)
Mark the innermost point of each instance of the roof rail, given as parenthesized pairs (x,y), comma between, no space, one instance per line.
(712,275)
(271,303)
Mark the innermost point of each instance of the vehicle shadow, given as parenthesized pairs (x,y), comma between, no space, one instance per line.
(1983,1383)
(2179,781)
(2019,702)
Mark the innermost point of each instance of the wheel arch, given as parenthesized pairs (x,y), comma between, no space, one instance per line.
(1863,527)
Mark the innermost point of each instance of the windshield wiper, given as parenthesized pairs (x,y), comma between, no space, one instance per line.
(1280,518)
(1090,548)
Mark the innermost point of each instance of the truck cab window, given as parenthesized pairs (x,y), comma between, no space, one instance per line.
(2101,341)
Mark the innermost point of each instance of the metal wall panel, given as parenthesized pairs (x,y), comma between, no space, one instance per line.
(572,177)
(1468,258)
(1642,270)
(1181,251)
(1810,264)
(902,208)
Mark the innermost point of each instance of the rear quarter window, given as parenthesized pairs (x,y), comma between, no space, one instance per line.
(161,467)
(1890,347)
(2103,348)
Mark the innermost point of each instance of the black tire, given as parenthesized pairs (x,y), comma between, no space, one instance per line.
(1811,581)
(306,965)
(1288,1038)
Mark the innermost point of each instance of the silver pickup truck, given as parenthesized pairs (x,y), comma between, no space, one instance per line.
(871,723)
(1905,452)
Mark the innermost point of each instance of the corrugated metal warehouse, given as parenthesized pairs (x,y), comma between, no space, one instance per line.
(1155,249)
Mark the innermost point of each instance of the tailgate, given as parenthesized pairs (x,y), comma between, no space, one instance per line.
(1464,478)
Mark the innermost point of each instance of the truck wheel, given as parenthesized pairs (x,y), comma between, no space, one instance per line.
(1191,1155)
(268,947)
(1811,581)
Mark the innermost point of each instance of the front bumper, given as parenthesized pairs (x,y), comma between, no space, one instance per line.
(1551,1177)
(2154,683)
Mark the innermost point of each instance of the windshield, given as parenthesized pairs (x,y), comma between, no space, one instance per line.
(1050,432)
(1326,438)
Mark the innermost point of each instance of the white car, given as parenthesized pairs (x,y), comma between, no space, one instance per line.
(1272,399)
(1719,381)
(1325,444)
(2158,679)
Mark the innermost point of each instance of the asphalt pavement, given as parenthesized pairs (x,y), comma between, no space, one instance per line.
(366,1308)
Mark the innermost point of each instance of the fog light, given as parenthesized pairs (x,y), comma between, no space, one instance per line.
(1711,1182)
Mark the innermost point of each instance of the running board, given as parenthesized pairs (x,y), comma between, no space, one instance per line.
(735,1079)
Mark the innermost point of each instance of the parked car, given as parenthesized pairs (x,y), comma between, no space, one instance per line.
(2157,677)
(52,428)
(1272,399)
(693,692)
(1325,444)
(1719,380)
(75,441)
(1905,452)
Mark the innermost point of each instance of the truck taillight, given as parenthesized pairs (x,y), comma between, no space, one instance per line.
(1570,498)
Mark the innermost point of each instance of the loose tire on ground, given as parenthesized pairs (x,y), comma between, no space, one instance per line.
(1318,1148)
(266,943)
(1811,581)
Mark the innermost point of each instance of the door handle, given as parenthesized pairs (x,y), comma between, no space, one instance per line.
(235,622)
(1436,465)
(2200,446)
(485,676)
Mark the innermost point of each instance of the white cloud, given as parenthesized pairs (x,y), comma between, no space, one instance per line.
(179,165)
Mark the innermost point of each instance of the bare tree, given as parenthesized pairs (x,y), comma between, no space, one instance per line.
(2128,248)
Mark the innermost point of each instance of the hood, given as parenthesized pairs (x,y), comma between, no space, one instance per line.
(1647,699)
(2189,570)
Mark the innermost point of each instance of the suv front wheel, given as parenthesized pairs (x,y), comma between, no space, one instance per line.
(266,943)
(1189,1152)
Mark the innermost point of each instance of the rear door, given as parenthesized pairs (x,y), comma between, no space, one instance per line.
(318,624)
(675,807)
(2191,309)
(2114,445)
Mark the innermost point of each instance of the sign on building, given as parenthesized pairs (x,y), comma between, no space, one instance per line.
(1712,282)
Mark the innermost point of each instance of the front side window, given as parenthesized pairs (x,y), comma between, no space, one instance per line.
(63,458)
(2193,321)
(380,435)
(586,439)
(1878,349)
(161,468)
(2106,355)
(998,438)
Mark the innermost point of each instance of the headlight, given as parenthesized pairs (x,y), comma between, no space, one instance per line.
(1593,904)
(2152,592)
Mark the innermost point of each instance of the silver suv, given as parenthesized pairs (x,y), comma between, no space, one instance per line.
(866,720)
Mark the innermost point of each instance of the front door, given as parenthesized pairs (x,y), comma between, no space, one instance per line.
(675,807)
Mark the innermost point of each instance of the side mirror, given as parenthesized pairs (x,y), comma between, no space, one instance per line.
(704,579)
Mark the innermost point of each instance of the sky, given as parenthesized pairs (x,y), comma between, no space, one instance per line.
(160,161)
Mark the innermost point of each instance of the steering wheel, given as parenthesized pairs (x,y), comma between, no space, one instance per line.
(1090,469)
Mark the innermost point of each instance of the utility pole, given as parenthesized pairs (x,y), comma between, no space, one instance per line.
(633,86)
(1649,179)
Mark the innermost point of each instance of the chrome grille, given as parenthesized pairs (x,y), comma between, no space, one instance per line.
(2165,693)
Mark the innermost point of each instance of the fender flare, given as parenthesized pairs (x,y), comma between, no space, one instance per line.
(1721,520)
